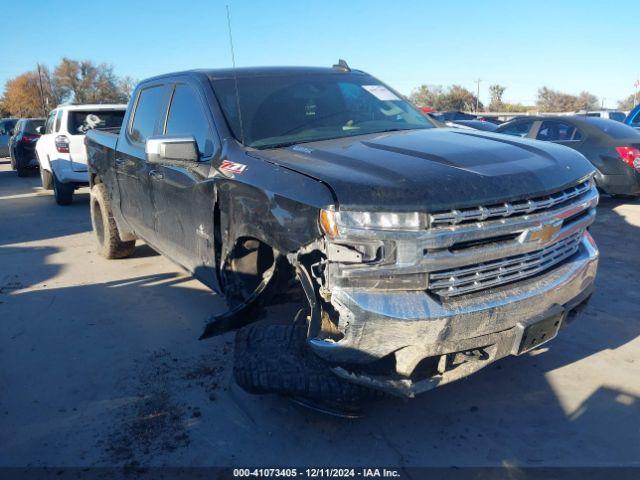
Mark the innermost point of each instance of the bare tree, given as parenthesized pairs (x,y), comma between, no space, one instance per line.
(84,82)
(628,103)
(550,100)
(495,93)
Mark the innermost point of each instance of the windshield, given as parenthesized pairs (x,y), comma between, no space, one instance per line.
(81,121)
(31,125)
(282,110)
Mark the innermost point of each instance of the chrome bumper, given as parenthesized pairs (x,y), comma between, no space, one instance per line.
(379,323)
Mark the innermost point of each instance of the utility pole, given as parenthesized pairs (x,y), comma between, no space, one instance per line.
(635,94)
(478,95)
(44,108)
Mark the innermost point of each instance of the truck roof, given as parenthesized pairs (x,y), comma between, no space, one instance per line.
(97,106)
(222,73)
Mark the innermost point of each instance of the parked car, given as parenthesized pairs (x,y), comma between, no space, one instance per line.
(616,115)
(612,147)
(418,254)
(452,116)
(475,125)
(61,151)
(22,145)
(633,119)
(6,130)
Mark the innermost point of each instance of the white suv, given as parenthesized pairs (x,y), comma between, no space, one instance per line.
(61,153)
(616,115)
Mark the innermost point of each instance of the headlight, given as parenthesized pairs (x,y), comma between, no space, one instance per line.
(331,221)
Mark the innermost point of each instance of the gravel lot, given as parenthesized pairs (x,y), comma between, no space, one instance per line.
(100,364)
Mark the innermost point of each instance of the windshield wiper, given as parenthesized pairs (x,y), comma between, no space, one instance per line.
(279,145)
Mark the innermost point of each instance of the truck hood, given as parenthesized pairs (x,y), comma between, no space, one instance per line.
(432,169)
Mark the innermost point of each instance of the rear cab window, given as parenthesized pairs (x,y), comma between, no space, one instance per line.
(148,108)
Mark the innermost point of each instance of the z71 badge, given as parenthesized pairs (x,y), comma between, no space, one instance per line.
(232,167)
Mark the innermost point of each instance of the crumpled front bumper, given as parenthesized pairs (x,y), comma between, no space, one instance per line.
(414,325)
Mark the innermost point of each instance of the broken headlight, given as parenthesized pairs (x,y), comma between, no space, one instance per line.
(333,222)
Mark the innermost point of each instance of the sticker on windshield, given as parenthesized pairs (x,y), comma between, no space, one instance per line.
(381,92)
(232,167)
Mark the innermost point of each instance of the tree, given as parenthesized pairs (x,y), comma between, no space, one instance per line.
(554,101)
(495,94)
(629,102)
(28,95)
(81,81)
(454,97)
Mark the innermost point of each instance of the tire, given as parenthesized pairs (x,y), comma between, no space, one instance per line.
(22,171)
(274,358)
(46,178)
(63,192)
(104,226)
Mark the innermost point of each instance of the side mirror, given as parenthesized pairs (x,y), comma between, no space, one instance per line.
(12,133)
(167,148)
(40,130)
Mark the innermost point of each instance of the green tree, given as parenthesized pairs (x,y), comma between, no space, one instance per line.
(550,100)
(454,97)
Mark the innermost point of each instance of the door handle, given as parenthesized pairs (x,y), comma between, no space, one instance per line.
(120,162)
(156,175)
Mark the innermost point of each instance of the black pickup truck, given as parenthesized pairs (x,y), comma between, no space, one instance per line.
(420,254)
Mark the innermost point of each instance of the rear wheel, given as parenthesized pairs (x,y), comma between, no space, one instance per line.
(63,192)
(110,245)
(47,179)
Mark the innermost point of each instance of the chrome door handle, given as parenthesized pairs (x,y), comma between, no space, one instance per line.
(155,174)
(120,162)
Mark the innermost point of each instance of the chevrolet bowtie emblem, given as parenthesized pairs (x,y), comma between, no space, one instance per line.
(545,232)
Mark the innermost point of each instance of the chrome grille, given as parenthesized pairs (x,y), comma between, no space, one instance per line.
(448,283)
(507,209)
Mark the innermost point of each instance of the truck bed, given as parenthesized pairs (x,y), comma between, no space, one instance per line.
(104,137)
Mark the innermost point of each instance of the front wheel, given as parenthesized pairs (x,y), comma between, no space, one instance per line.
(63,192)
(104,226)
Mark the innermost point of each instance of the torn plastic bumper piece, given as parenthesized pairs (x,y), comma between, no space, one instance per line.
(414,326)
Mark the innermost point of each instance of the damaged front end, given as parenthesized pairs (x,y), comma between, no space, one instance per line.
(406,302)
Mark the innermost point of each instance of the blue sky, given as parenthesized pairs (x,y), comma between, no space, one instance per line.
(569,45)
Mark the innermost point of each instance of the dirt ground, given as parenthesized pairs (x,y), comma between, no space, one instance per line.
(100,364)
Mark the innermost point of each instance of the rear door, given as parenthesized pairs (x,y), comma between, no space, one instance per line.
(131,167)
(78,122)
(183,199)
